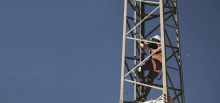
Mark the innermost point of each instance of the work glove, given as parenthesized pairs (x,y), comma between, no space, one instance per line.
(139,69)
(142,45)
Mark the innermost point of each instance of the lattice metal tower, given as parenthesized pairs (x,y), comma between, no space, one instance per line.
(142,20)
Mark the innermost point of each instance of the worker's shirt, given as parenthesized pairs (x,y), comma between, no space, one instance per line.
(153,47)
(157,55)
(156,60)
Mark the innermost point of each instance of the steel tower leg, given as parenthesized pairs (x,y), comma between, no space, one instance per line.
(164,68)
(123,53)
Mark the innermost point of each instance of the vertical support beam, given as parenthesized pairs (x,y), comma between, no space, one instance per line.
(164,70)
(135,51)
(123,53)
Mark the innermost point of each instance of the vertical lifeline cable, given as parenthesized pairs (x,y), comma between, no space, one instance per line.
(142,32)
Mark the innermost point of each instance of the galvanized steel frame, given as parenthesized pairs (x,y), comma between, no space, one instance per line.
(165,11)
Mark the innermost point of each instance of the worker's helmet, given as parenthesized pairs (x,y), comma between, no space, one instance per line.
(155,38)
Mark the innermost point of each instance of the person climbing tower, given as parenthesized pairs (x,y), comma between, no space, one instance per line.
(154,65)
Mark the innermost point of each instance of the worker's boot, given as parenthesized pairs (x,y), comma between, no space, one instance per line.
(141,98)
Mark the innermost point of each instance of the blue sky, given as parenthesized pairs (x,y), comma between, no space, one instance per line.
(69,51)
